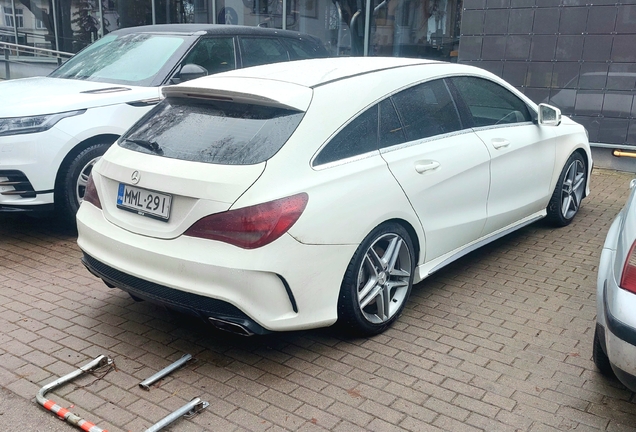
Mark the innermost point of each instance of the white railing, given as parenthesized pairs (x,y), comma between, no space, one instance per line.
(25,55)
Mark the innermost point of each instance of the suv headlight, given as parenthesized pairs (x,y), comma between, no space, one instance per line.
(39,123)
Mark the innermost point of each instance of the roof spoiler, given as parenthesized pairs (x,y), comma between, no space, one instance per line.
(254,92)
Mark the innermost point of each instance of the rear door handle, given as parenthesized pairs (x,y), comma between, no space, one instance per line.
(426,165)
(500,143)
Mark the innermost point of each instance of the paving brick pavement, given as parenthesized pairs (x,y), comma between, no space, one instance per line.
(501,340)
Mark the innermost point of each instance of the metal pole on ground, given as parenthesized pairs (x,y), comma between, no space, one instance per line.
(63,413)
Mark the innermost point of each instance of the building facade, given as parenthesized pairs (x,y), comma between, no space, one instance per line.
(415,28)
(572,54)
(578,56)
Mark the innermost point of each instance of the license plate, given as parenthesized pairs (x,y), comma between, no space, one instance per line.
(144,202)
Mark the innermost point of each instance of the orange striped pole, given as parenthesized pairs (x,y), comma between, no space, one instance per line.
(63,413)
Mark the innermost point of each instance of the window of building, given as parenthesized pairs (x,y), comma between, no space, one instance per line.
(39,24)
(8,17)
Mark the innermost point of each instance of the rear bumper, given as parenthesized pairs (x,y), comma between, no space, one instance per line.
(620,343)
(192,304)
(286,285)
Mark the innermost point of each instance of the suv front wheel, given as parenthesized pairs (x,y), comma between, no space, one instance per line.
(71,187)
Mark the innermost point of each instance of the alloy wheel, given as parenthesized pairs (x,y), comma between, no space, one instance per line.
(82,179)
(572,191)
(383,278)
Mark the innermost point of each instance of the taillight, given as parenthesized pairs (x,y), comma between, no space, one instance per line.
(254,226)
(628,278)
(90,193)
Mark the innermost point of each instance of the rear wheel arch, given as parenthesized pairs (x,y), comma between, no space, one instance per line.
(383,267)
(412,233)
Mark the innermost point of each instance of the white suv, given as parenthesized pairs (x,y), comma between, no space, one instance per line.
(53,129)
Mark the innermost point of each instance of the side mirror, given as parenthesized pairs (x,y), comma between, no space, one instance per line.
(192,71)
(632,184)
(549,115)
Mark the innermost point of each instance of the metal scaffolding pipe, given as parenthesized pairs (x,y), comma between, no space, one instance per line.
(63,413)
(145,384)
(15,25)
(57,39)
(188,410)
(101,19)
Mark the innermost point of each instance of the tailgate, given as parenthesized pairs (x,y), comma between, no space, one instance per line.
(192,190)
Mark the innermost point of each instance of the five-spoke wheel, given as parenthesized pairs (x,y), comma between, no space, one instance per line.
(378,280)
(569,191)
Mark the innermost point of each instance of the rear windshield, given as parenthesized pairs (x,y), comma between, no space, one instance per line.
(215,132)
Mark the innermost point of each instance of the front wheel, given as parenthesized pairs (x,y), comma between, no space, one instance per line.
(569,192)
(71,186)
(378,281)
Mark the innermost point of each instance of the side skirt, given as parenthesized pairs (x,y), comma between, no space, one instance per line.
(428,268)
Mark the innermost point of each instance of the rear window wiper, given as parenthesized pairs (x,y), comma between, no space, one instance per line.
(150,145)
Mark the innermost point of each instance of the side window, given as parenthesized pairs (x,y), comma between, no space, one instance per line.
(489,103)
(358,137)
(258,51)
(391,132)
(214,54)
(299,50)
(427,110)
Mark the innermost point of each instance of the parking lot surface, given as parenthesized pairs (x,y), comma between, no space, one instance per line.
(501,340)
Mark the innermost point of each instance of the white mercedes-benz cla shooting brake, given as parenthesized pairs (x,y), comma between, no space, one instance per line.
(292,196)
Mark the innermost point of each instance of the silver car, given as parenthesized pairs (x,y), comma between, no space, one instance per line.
(615,336)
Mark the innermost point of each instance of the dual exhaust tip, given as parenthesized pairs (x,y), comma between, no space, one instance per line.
(231,327)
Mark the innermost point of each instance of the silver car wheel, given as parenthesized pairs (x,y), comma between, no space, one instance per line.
(573,188)
(82,179)
(383,278)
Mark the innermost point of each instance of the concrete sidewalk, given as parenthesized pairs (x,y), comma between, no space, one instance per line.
(499,341)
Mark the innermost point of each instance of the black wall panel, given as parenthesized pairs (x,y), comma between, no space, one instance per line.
(577,55)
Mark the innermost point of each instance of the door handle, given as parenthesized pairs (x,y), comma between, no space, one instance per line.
(426,165)
(500,143)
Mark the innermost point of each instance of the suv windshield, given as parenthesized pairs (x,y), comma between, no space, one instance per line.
(218,132)
(133,59)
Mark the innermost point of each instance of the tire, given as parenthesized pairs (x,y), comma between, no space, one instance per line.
(382,268)
(71,186)
(601,360)
(568,193)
